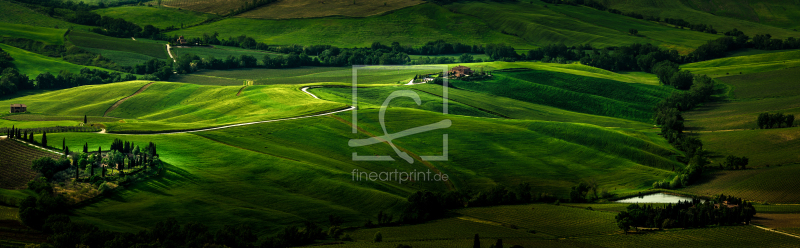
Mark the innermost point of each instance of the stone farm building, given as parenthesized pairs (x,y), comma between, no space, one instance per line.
(18,108)
(181,40)
(460,71)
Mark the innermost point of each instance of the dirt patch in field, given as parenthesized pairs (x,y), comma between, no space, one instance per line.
(777,220)
(113,107)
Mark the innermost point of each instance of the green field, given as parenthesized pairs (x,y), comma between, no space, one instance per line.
(410,26)
(92,40)
(220,52)
(45,35)
(158,17)
(573,25)
(311,9)
(33,64)
(558,221)
(121,58)
(763,184)
(746,64)
(14,13)
(574,93)
(782,14)
(678,9)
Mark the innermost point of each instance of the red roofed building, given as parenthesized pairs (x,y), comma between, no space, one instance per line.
(460,71)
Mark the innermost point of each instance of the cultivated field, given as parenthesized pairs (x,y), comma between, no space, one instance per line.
(769,12)
(289,9)
(15,165)
(772,185)
(414,25)
(572,25)
(218,7)
(158,17)
(597,96)
(679,9)
(45,35)
(728,66)
(558,221)
(92,40)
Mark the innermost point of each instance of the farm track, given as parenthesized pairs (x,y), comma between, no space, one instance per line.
(126,98)
(776,231)
(240,90)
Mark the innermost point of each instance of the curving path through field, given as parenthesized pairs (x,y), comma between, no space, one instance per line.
(113,107)
(304,89)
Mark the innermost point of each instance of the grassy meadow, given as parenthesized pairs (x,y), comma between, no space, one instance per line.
(45,35)
(33,64)
(770,12)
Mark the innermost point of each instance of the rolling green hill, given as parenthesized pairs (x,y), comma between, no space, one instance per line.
(574,93)
(144,47)
(746,64)
(158,17)
(678,9)
(282,178)
(572,25)
(46,35)
(778,13)
(410,26)
(289,9)
(14,13)
(34,64)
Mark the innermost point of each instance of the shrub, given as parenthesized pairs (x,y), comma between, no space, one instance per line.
(378,237)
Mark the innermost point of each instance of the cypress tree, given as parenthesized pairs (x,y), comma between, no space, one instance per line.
(11,135)
(63,143)
(25,137)
(84,119)
(66,151)
(31,139)
(86,147)
(44,139)
(477,242)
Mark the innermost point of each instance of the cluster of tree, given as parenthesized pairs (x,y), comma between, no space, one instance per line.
(169,233)
(765,42)
(735,163)
(768,121)
(49,167)
(6,61)
(720,211)
(12,80)
(425,205)
(36,212)
(153,69)
(634,57)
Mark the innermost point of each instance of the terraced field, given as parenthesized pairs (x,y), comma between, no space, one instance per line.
(705,237)
(15,165)
(218,7)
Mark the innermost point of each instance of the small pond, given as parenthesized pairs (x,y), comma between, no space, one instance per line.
(656,198)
